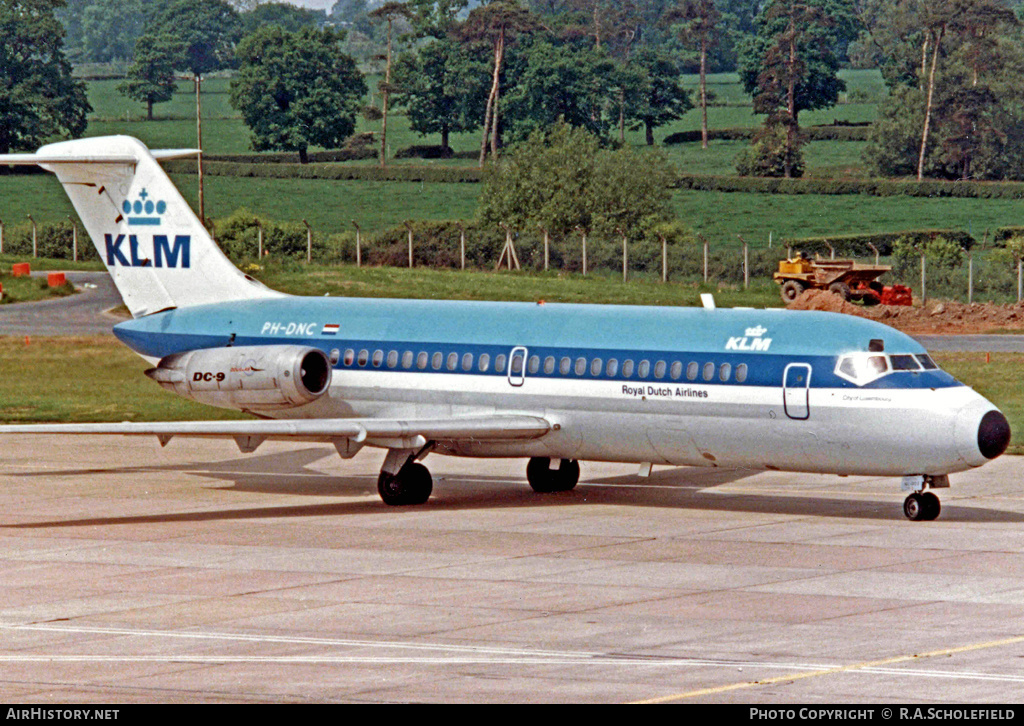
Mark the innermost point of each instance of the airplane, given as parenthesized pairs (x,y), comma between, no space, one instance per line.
(556,384)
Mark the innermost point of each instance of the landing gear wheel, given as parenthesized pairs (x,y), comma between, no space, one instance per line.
(921,507)
(791,290)
(544,479)
(411,485)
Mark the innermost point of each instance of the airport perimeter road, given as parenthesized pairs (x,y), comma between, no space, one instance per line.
(193,573)
(81,314)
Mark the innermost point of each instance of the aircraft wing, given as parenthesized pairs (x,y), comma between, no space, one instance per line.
(389,433)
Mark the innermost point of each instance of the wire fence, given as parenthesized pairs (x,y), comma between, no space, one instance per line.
(981,274)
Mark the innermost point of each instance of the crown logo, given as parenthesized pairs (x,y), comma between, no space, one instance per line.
(756,332)
(143,209)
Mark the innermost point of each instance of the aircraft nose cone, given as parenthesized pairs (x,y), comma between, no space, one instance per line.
(993,434)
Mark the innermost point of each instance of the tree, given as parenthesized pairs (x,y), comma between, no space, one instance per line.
(389,12)
(38,97)
(442,88)
(297,90)
(287,16)
(151,77)
(110,29)
(659,98)
(698,23)
(559,82)
(791,65)
(560,179)
(496,22)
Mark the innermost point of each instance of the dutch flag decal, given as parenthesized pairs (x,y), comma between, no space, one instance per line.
(330,329)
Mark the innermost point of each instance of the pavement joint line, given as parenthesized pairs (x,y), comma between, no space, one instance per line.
(865,666)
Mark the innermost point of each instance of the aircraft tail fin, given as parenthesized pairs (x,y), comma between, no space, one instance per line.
(158,253)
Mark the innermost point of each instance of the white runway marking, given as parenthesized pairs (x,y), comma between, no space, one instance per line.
(457,655)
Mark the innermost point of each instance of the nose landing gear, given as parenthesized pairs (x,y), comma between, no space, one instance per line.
(921,505)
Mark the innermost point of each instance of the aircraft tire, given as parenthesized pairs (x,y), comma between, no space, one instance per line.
(411,485)
(921,507)
(544,480)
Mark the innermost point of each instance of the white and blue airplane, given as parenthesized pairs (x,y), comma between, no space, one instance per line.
(555,383)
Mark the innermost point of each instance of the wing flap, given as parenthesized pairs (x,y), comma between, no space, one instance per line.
(479,428)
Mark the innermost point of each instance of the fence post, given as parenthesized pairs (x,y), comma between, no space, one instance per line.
(359,244)
(1,236)
(584,232)
(924,282)
(1020,280)
(831,249)
(746,263)
(875,250)
(625,259)
(408,226)
(74,240)
(701,238)
(970,276)
(462,246)
(664,258)
(34,241)
(309,242)
(547,243)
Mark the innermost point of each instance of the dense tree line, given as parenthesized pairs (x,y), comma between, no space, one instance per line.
(507,69)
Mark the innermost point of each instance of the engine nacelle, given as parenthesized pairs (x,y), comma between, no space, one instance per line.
(255,378)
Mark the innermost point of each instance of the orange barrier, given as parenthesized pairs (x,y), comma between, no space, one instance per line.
(55,279)
(21,269)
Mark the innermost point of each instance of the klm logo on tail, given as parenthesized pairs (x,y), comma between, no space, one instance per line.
(164,252)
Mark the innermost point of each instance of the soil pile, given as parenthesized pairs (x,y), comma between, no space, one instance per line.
(940,316)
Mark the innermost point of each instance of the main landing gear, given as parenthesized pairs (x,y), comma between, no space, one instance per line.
(403,481)
(546,478)
(921,505)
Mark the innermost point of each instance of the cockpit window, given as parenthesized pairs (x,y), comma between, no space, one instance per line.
(863,368)
(905,363)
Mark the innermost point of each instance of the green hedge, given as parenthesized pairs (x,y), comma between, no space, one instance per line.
(872,187)
(858,245)
(831,132)
(329,171)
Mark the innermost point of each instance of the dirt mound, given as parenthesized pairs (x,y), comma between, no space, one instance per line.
(940,316)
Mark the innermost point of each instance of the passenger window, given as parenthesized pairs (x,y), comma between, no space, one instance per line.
(676,371)
(627,369)
(534,365)
(613,367)
(581,366)
(741,373)
(364,356)
(644,369)
(422,359)
(565,365)
(350,357)
(378,358)
(436,360)
(692,370)
(709,371)
(549,365)
(485,362)
(453,361)
(659,369)
(467,362)
(407,357)
(499,363)
(392,358)
(517,363)
(724,371)
(595,366)
(335,356)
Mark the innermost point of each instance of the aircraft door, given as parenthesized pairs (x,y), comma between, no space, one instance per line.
(517,366)
(796,383)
